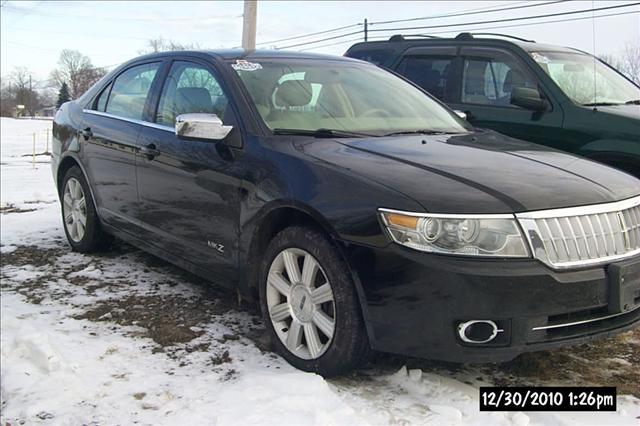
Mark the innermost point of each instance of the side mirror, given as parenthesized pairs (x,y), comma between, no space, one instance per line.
(528,98)
(461,114)
(201,126)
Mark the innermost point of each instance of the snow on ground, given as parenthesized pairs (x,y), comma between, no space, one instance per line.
(122,337)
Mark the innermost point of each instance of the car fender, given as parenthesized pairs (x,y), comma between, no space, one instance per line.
(74,156)
(621,147)
(249,233)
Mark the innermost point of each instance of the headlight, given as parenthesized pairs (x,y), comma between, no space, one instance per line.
(472,235)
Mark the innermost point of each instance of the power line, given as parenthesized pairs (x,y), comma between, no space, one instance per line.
(467,11)
(471,12)
(332,44)
(458,24)
(534,23)
(311,34)
(24,12)
(318,41)
(483,28)
(548,15)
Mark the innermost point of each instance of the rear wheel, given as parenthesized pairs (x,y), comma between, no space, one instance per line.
(81,223)
(310,305)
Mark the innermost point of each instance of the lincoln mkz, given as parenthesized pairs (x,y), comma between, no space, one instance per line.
(360,212)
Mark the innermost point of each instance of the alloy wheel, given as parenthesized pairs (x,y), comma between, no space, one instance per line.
(74,209)
(300,303)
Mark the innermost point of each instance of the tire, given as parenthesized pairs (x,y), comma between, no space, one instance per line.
(287,307)
(76,205)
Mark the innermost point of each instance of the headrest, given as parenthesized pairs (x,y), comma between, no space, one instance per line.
(293,93)
(193,99)
(514,78)
(475,83)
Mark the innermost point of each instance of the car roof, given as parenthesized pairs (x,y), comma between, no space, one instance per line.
(231,54)
(401,43)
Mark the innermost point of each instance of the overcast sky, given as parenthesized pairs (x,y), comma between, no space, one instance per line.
(33,33)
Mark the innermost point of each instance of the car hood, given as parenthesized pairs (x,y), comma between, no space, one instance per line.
(628,111)
(479,172)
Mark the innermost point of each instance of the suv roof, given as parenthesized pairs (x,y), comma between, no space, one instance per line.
(400,42)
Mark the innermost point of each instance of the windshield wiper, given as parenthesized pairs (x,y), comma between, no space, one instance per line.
(602,104)
(322,133)
(633,102)
(420,132)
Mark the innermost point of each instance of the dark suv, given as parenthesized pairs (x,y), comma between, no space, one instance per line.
(359,212)
(539,93)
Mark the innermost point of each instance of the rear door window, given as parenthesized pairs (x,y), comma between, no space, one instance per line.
(432,73)
(129,92)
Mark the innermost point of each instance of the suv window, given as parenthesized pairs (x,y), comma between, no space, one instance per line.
(190,88)
(429,72)
(489,81)
(130,90)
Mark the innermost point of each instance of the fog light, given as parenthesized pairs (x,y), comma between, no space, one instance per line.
(478,331)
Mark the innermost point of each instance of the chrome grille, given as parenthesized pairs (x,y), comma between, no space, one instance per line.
(587,235)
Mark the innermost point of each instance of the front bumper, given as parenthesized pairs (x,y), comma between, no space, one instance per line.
(413,303)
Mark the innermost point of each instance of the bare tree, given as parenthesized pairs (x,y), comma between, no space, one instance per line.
(631,60)
(21,89)
(7,99)
(161,45)
(628,62)
(77,70)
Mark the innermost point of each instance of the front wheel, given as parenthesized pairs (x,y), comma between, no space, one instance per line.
(310,305)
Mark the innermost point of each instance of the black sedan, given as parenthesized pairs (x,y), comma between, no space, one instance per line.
(360,212)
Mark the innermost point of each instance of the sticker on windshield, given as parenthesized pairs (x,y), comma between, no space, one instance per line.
(540,58)
(242,65)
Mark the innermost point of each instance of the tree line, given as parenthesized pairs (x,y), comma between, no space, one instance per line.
(75,74)
(21,95)
(72,77)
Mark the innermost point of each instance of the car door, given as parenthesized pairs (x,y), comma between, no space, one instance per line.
(110,129)
(487,78)
(188,189)
(432,68)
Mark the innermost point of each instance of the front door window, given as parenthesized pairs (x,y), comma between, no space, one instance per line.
(490,81)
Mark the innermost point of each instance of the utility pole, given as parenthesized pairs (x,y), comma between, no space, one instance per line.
(366,29)
(249,24)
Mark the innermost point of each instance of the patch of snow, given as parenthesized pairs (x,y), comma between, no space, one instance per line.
(60,366)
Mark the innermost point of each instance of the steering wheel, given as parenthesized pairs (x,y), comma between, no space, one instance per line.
(375,112)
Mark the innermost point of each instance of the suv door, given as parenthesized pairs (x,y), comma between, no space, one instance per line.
(432,68)
(111,125)
(188,191)
(487,79)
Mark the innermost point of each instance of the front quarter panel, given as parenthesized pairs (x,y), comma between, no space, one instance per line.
(345,204)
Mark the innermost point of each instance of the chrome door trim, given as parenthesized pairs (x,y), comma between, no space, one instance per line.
(131,120)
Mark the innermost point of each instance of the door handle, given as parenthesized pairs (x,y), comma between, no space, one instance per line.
(150,151)
(86,133)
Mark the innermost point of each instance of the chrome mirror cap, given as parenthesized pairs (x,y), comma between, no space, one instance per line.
(460,114)
(201,126)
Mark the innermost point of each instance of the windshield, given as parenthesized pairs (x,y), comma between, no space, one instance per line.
(574,73)
(312,95)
